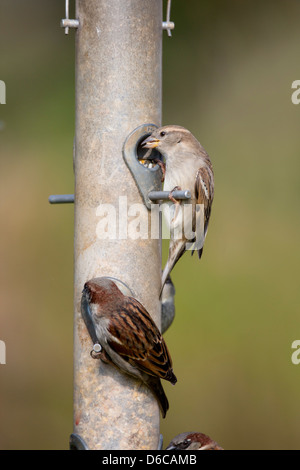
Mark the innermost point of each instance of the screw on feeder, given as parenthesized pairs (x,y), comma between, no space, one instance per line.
(67,22)
(168,25)
(97,348)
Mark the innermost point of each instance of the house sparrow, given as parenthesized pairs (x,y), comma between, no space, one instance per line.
(193,441)
(128,335)
(187,166)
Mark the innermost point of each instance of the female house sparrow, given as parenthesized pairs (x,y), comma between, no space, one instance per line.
(193,441)
(128,335)
(188,166)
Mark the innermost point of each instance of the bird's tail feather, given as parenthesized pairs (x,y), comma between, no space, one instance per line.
(164,276)
(176,250)
(157,389)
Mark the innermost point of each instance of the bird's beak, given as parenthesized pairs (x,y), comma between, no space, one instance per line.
(171,447)
(150,142)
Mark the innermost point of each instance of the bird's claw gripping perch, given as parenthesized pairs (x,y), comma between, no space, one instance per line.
(177,188)
(162,166)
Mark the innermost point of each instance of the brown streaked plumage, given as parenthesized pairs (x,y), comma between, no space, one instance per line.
(128,335)
(187,166)
(193,441)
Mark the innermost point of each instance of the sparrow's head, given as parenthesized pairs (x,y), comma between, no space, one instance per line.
(100,296)
(101,291)
(173,141)
(193,441)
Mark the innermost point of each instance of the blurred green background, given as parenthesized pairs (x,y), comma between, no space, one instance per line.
(228,70)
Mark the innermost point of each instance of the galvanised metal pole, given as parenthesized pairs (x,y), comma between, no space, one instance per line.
(118,88)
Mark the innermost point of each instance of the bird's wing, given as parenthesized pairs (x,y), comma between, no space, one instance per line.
(204,193)
(136,338)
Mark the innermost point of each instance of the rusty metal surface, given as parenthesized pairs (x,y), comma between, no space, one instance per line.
(118,87)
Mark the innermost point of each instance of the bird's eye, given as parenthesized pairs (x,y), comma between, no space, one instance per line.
(184,444)
(162,133)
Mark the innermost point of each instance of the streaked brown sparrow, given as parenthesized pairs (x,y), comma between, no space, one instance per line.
(193,441)
(128,335)
(187,166)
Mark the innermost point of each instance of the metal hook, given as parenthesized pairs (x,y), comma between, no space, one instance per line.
(67,23)
(77,442)
(168,25)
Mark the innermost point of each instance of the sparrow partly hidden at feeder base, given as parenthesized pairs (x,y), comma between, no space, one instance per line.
(193,441)
(187,167)
(128,335)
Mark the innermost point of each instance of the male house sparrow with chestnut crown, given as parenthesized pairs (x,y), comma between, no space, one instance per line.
(187,166)
(193,441)
(128,335)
